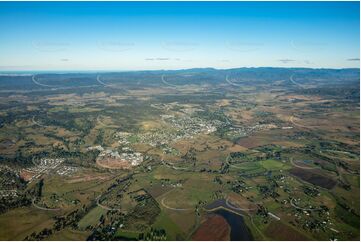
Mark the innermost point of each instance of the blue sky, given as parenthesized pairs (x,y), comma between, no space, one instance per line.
(174,35)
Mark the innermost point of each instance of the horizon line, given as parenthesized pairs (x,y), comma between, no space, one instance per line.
(150,70)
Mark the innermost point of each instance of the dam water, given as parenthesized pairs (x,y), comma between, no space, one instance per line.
(239,229)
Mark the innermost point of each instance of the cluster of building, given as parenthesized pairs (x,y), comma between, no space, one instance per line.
(50,162)
(45,165)
(313,221)
(123,138)
(183,127)
(133,158)
(97,147)
(248,130)
(66,170)
(191,125)
(169,150)
(168,182)
(8,193)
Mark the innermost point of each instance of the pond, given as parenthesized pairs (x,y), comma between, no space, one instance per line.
(239,229)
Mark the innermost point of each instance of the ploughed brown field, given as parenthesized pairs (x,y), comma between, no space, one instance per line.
(250,142)
(214,228)
(279,231)
(314,178)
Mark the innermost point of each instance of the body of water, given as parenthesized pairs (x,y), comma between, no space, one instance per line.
(239,229)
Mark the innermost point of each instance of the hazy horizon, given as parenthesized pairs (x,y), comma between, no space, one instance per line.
(30,72)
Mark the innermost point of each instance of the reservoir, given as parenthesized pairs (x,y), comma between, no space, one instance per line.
(239,229)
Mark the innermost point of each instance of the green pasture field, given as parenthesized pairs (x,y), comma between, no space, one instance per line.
(69,234)
(171,227)
(21,222)
(127,234)
(274,165)
(91,218)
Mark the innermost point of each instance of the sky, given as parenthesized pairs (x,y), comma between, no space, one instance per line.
(176,35)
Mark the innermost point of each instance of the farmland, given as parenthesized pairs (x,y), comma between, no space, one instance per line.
(115,159)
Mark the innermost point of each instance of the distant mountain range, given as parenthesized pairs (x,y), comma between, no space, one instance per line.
(293,77)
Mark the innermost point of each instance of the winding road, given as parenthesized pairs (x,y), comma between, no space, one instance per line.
(167,83)
(174,167)
(44,209)
(40,84)
(100,122)
(174,209)
(303,209)
(106,85)
(232,83)
(296,83)
(291,119)
(36,123)
(302,167)
(102,83)
(105,207)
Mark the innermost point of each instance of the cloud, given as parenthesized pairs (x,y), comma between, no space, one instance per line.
(48,46)
(160,59)
(64,59)
(285,61)
(354,59)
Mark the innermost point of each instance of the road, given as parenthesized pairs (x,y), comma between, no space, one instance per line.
(302,167)
(174,209)
(36,123)
(232,83)
(100,122)
(40,84)
(170,208)
(45,209)
(303,209)
(291,119)
(296,83)
(104,84)
(175,167)
(99,81)
(167,83)
(105,207)
(231,165)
